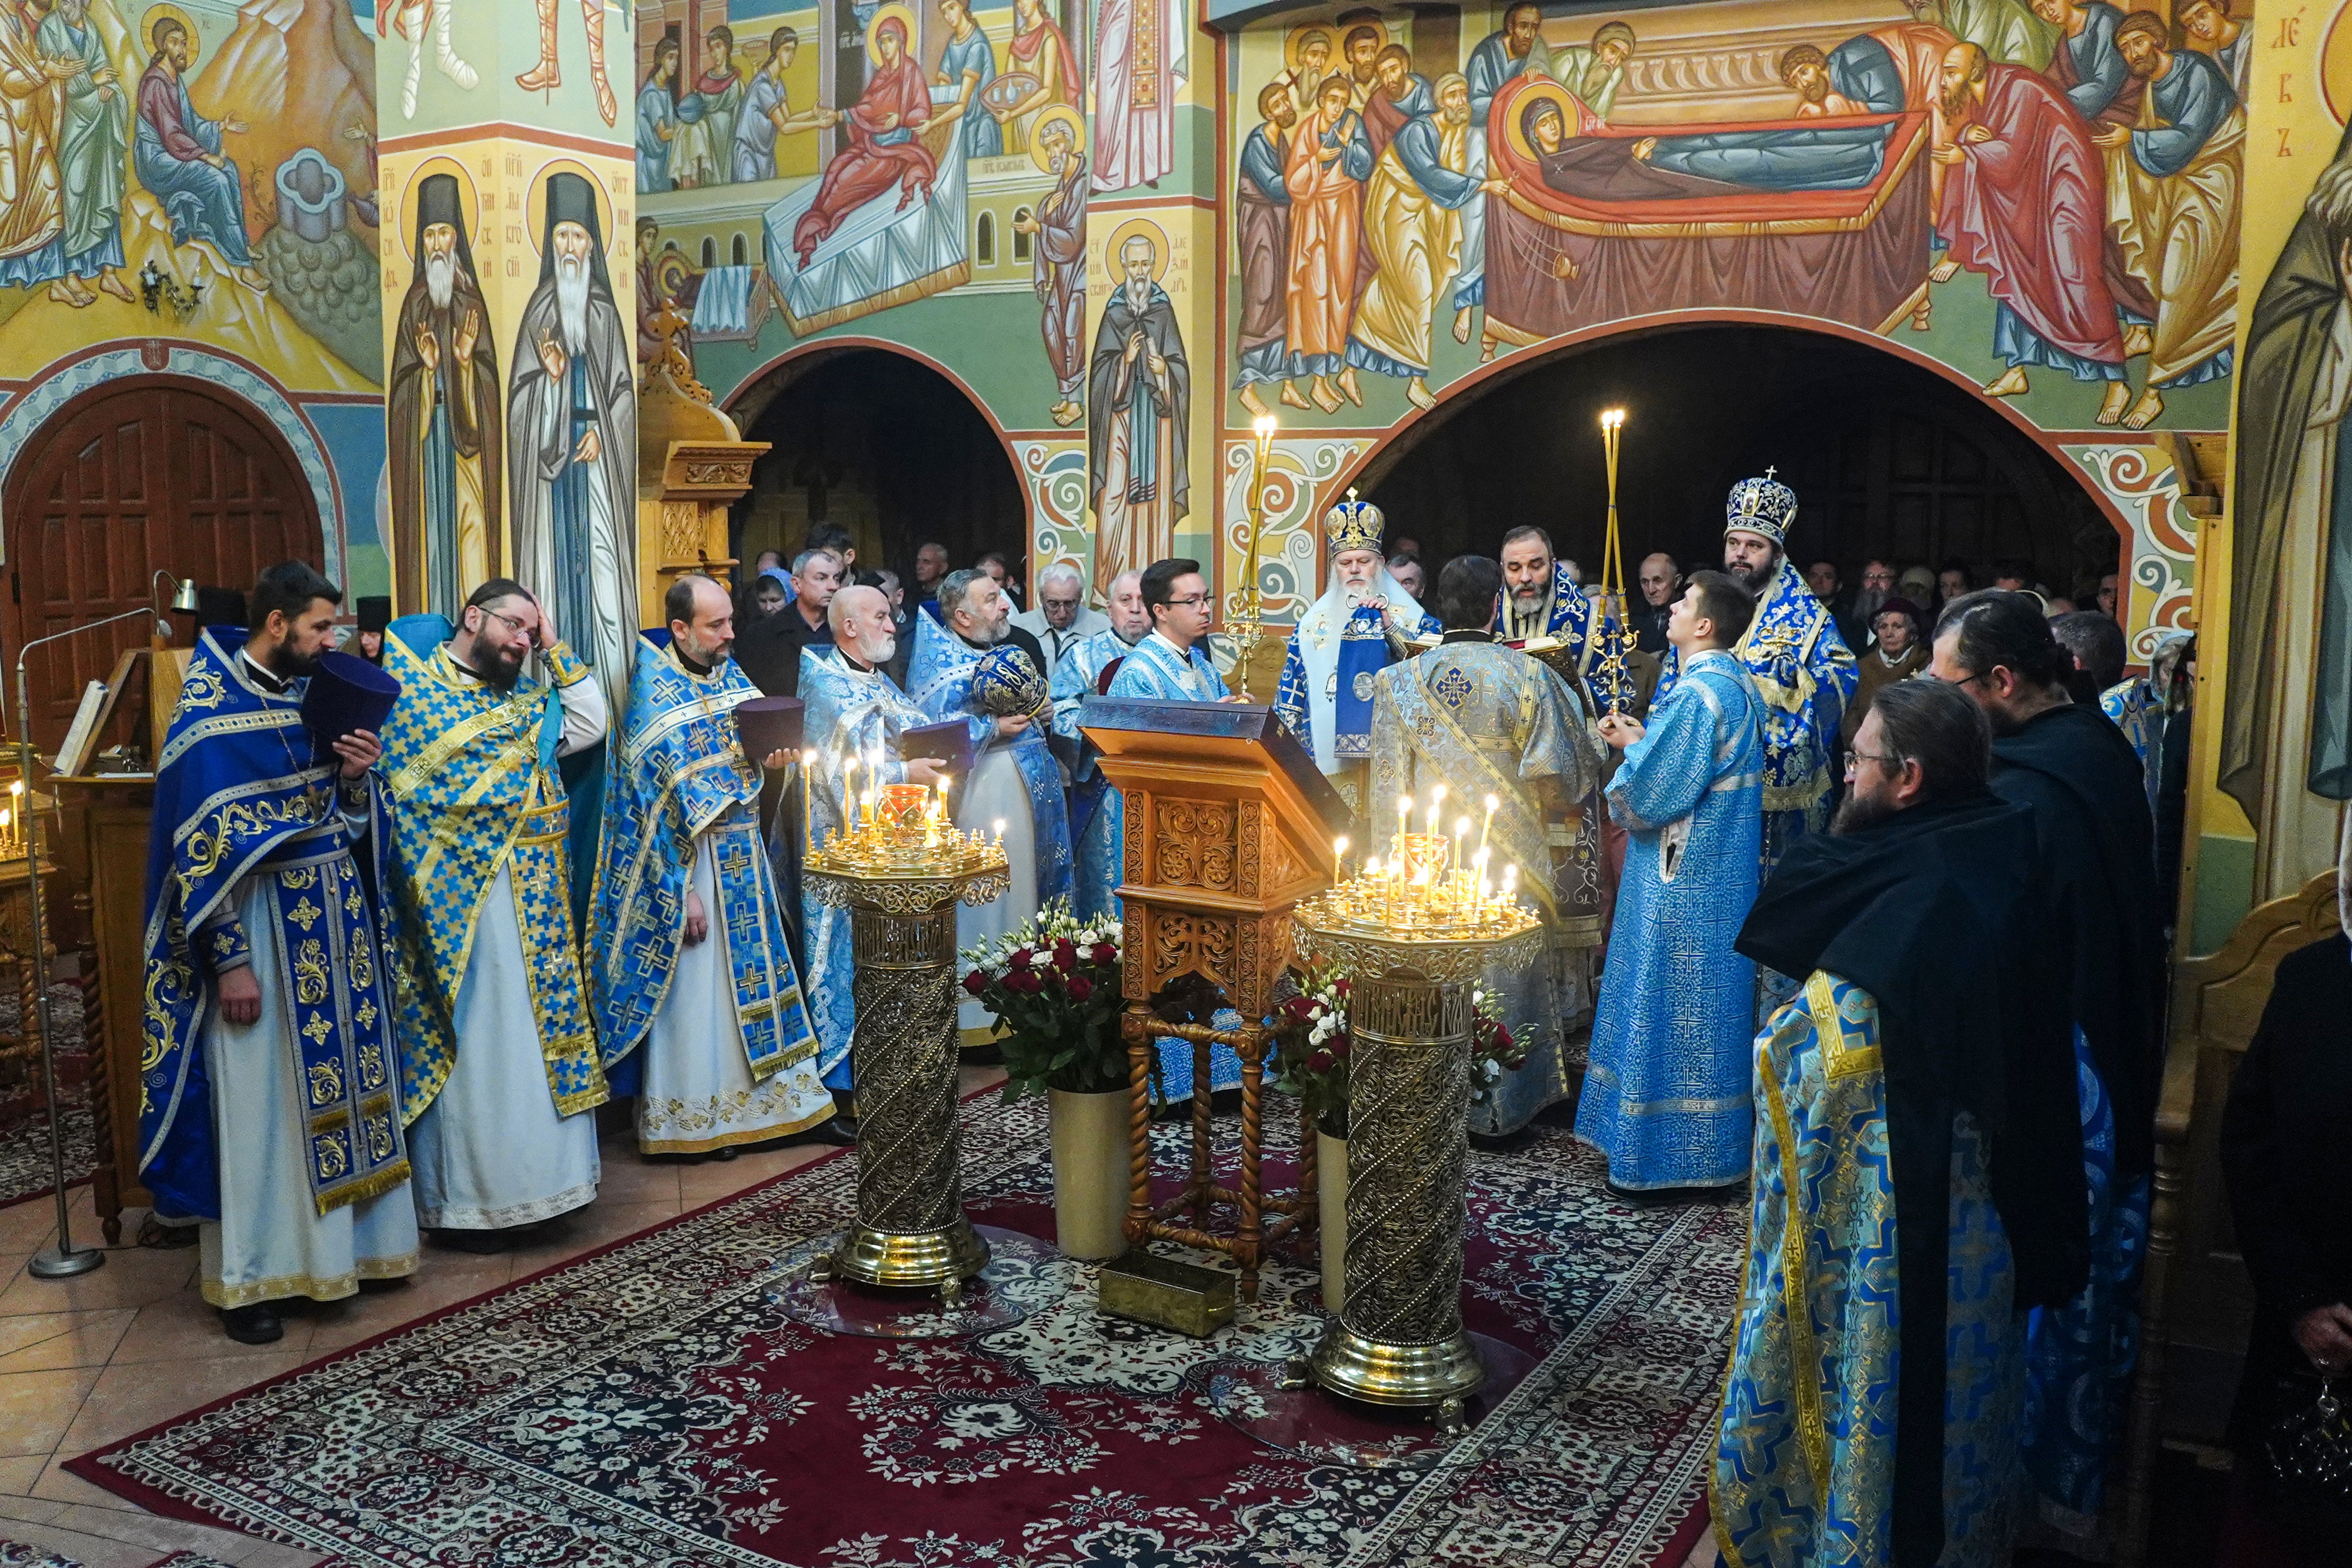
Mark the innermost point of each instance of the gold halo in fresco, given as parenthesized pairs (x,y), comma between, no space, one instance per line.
(906,15)
(1059,114)
(155,14)
(1128,231)
(469,204)
(2335,66)
(535,212)
(1551,93)
(1297,36)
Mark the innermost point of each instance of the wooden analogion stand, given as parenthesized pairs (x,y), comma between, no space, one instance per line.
(1228,826)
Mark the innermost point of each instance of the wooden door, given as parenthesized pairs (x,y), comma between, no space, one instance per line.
(146,473)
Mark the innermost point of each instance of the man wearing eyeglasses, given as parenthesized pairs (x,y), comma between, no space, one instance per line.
(2095,854)
(499,1065)
(1914,1162)
(1062,618)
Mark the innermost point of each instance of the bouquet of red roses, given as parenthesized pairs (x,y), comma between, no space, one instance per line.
(1312,1047)
(1053,984)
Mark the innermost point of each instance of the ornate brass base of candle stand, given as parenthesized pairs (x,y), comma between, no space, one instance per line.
(910,1231)
(1398,1339)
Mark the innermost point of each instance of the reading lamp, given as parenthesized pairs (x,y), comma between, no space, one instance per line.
(64,1260)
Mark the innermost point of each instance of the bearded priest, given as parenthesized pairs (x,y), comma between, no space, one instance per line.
(1802,669)
(1546,600)
(1096,811)
(499,1065)
(268,1106)
(686,934)
(1364,623)
(1492,724)
(963,668)
(856,715)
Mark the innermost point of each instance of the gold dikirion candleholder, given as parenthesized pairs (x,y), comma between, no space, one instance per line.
(900,867)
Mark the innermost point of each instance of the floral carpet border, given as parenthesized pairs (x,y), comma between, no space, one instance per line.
(1596,1459)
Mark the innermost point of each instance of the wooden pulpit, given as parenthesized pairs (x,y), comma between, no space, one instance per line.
(1228,825)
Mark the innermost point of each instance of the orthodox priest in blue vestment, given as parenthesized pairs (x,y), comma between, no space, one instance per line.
(1160,670)
(1490,723)
(1799,663)
(499,1058)
(281,1131)
(685,947)
(1915,1158)
(960,661)
(1666,1091)
(1364,621)
(1096,817)
(855,715)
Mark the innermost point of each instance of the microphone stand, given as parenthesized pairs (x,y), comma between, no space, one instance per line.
(64,1260)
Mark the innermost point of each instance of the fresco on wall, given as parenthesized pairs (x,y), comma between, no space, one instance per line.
(1139,402)
(2047,198)
(193,184)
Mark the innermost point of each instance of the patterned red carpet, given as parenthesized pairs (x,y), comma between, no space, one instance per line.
(653,1405)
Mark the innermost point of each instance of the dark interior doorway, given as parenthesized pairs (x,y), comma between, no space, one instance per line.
(146,473)
(889,449)
(1885,457)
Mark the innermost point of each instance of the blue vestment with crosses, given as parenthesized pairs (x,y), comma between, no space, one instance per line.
(680,772)
(239,793)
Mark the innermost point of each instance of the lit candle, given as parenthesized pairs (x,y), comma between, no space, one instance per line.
(1488,826)
(1436,799)
(1000,832)
(1510,881)
(1460,844)
(808,804)
(1340,856)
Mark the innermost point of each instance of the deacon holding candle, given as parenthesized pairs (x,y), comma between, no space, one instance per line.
(854,713)
(697,1004)
(1475,723)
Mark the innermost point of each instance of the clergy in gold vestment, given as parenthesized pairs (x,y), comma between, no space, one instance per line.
(1413,230)
(1488,721)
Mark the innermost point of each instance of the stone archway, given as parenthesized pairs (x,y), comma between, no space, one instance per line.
(884,442)
(1889,453)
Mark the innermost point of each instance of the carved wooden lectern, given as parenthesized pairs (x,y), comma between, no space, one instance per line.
(1228,825)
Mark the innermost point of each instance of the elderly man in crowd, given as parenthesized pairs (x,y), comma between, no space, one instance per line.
(1062,618)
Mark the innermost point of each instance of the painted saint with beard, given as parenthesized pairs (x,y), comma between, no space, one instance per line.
(441,403)
(1140,395)
(572,440)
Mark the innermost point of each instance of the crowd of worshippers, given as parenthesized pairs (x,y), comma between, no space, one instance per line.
(1893,981)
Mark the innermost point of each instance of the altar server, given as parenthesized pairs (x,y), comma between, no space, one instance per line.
(961,660)
(1364,621)
(1799,663)
(1490,723)
(854,719)
(1171,665)
(1096,811)
(686,934)
(1666,1093)
(499,1058)
(1914,1156)
(268,1103)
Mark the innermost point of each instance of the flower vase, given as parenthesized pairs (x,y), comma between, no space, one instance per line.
(1090,1171)
(1332,1217)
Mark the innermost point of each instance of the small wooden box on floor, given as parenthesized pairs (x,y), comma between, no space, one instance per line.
(1228,826)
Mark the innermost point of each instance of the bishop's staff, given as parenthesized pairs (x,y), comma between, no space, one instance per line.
(1613,574)
(1248,605)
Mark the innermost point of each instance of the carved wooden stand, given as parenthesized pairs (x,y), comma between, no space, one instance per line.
(1225,832)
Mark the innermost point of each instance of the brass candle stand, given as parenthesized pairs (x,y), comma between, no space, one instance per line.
(1413,939)
(901,871)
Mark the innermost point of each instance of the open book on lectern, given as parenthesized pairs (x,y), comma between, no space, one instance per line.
(1215,733)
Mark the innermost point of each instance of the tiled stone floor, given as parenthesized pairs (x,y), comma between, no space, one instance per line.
(88,1361)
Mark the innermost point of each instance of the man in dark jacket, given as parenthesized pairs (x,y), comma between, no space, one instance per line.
(2094,846)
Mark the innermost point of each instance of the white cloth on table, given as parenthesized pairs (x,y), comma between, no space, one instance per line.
(698,1092)
(270,1241)
(490,1152)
